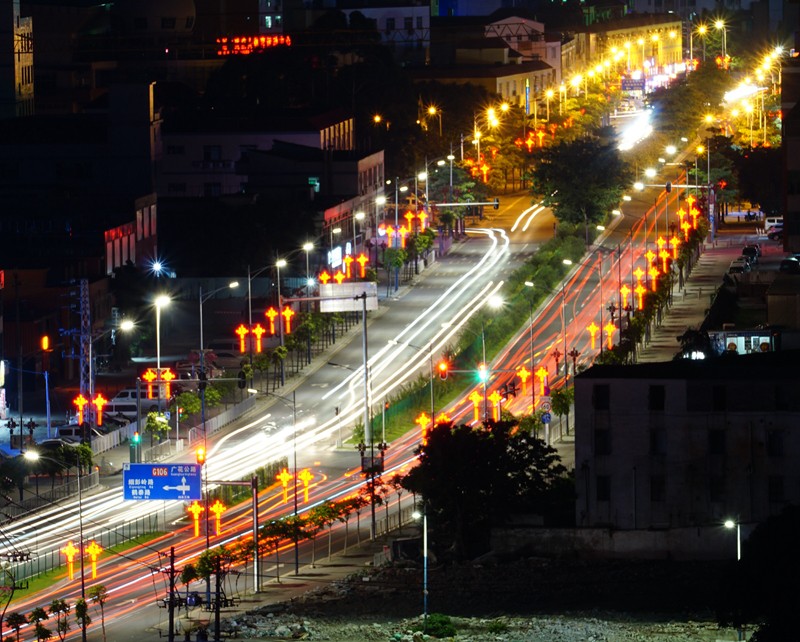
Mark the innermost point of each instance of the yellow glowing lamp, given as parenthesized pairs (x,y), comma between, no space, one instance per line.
(70,551)
(640,290)
(638,273)
(410,216)
(348,262)
(217,508)
(650,256)
(523,373)
(695,213)
(305,476)
(475,398)
(495,399)
(686,226)
(422,216)
(94,549)
(443,418)
(654,277)
(99,401)
(592,328)
(284,477)
(624,292)
(324,277)
(166,376)
(258,331)
(661,242)
(362,263)
(80,401)
(423,421)
(287,313)
(241,332)
(675,243)
(664,256)
(339,277)
(149,376)
(681,214)
(195,508)
(542,374)
(690,200)
(610,328)
(271,314)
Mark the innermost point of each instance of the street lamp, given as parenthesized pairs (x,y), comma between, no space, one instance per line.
(720,25)
(424,516)
(280,263)
(531,284)
(32,456)
(701,31)
(202,382)
(358,216)
(160,302)
(293,403)
(730,524)
(308,248)
(549,95)
(435,111)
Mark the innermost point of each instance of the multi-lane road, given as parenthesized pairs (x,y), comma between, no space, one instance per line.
(418,322)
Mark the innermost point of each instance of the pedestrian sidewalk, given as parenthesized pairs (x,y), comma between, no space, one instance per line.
(691,304)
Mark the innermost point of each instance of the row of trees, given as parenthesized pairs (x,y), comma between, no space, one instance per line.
(59,610)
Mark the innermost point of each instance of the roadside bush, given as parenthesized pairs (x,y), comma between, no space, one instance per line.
(440,626)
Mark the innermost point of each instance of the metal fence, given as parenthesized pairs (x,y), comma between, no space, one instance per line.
(46,561)
(46,493)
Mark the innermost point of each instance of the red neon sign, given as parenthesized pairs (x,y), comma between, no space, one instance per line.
(305,476)
(258,330)
(99,401)
(271,313)
(284,477)
(362,261)
(287,313)
(166,376)
(241,332)
(195,509)
(150,376)
(348,261)
(217,508)
(80,401)
(245,45)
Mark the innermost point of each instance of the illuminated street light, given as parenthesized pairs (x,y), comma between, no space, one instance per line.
(548,95)
(424,516)
(720,25)
(33,456)
(731,524)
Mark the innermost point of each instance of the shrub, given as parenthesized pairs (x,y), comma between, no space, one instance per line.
(440,626)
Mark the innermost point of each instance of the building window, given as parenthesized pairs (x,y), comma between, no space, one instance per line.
(658,441)
(716,442)
(602,442)
(656,398)
(212,153)
(601,394)
(775,443)
(268,22)
(212,189)
(775,489)
(167,23)
(658,488)
(419,23)
(389,25)
(603,488)
(408,25)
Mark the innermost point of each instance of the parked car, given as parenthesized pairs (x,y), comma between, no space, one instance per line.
(790,265)
(751,254)
(739,266)
(775,233)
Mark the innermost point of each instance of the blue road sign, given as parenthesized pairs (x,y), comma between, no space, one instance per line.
(546,417)
(162,481)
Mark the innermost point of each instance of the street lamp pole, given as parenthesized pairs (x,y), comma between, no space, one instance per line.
(32,455)
(530,284)
(424,515)
(278,265)
(160,302)
(729,524)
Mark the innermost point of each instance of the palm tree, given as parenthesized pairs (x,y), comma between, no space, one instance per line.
(99,594)
(16,621)
(60,608)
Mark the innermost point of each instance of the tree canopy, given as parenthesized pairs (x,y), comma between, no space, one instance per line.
(471,479)
(582,180)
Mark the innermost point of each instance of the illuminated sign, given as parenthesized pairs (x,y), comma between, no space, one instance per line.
(161,481)
(475,398)
(284,477)
(305,476)
(245,45)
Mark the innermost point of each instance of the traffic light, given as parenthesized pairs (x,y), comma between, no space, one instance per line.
(483,374)
(45,343)
(136,438)
(242,383)
(668,187)
(444,367)
(496,204)
(202,381)
(200,455)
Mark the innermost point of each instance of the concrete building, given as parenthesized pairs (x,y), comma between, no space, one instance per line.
(687,443)
(16,62)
